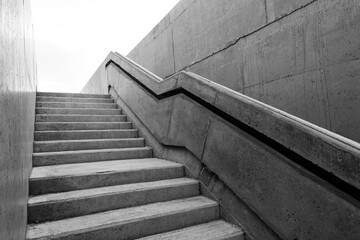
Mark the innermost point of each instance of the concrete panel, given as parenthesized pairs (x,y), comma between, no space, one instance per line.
(286,94)
(340,31)
(158,49)
(209,25)
(154,114)
(230,43)
(17,114)
(181,132)
(343,88)
(291,201)
(280,8)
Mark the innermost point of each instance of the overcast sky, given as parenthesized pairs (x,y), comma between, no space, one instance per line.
(73,37)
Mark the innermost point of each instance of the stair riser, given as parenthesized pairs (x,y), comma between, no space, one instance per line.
(73,100)
(53,185)
(78,111)
(47,136)
(80,118)
(73,95)
(81,207)
(77,105)
(47,160)
(148,226)
(71,146)
(43,126)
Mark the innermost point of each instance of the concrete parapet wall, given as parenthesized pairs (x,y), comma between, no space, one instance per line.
(299,56)
(307,188)
(17,114)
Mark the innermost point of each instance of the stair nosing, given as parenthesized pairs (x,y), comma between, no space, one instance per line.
(174,182)
(89,173)
(208,203)
(90,151)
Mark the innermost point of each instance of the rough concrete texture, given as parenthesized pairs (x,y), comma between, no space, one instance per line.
(215,230)
(300,56)
(289,199)
(130,223)
(55,206)
(17,103)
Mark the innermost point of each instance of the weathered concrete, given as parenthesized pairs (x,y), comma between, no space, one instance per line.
(18,80)
(131,223)
(215,230)
(81,111)
(69,177)
(240,144)
(94,187)
(73,100)
(85,134)
(56,206)
(70,145)
(79,156)
(75,105)
(300,56)
(48,126)
(79,118)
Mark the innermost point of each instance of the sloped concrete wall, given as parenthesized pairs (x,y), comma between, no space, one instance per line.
(301,56)
(17,110)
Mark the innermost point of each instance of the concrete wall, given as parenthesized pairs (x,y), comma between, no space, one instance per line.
(301,56)
(306,189)
(17,109)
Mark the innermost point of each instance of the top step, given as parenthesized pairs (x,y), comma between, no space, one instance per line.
(73,95)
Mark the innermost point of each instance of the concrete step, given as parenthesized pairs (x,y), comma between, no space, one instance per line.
(52,126)
(79,118)
(74,100)
(56,206)
(82,156)
(85,134)
(215,230)
(70,177)
(71,145)
(77,95)
(78,111)
(130,223)
(76,105)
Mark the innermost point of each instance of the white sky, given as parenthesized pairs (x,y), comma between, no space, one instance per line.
(73,37)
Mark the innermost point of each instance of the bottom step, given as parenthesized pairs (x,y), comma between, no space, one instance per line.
(130,223)
(216,230)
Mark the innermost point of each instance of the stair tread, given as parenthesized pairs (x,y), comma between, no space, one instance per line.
(90,168)
(118,217)
(100,130)
(89,140)
(82,115)
(90,151)
(79,108)
(215,230)
(57,94)
(109,190)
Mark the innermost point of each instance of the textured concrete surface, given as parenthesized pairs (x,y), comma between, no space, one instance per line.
(289,199)
(93,191)
(69,177)
(17,103)
(300,56)
(131,223)
(69,145)
(215,230)
(79,156)
(85,134)
(51,207)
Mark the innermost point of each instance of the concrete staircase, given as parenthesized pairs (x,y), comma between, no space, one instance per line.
(94,178)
